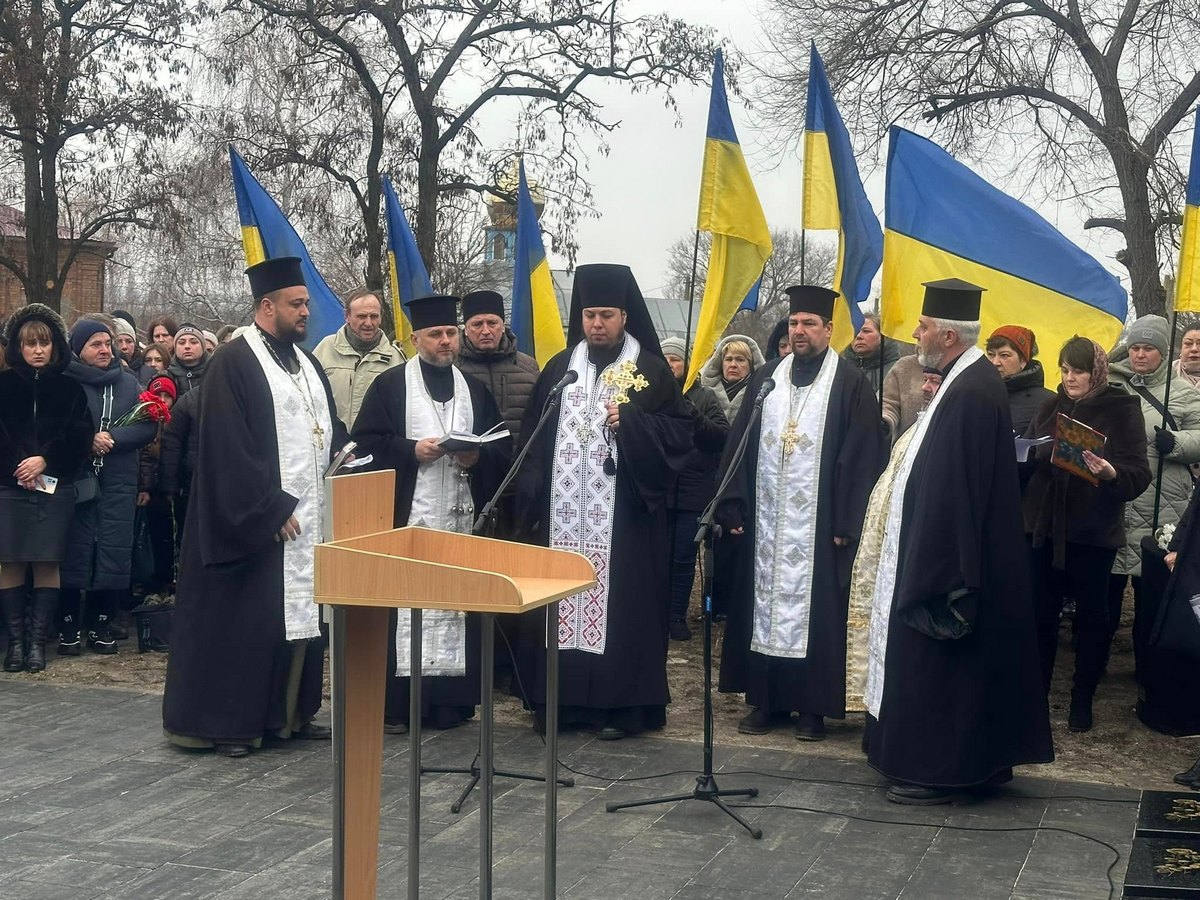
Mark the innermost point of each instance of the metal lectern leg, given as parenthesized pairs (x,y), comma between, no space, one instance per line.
(337,677)
(486,758)
(414,760)
(551,849)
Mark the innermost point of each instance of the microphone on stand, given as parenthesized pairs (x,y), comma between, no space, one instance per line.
(570,378)
(766,388)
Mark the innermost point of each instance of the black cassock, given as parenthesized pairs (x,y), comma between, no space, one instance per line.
(380,432)
(227,676)
(958,712)
(854,451)
(626,686)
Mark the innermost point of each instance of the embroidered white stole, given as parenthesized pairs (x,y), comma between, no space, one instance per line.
(582,495)
(295,400)
(437,503)
(786,511)
(889,555)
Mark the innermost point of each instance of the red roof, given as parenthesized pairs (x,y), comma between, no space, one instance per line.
(12,225)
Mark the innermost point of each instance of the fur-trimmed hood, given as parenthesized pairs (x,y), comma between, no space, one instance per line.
(58,333)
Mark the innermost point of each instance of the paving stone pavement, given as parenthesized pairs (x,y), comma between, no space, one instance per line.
(94,805)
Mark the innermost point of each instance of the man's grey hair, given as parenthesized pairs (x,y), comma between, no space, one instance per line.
(968,332)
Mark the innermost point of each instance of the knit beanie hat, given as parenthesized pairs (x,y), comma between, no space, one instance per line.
(82,331)
(163,384)
(123,327)
(674,346)
(1152,330)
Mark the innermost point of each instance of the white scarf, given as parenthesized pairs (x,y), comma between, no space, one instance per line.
(438,502)
(583,495)
(889,556)
(786,515)
(300,408)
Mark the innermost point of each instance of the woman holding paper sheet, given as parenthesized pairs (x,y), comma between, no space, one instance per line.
(1075,522)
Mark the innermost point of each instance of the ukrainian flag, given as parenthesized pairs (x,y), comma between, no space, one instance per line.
(534,318)
(729,208)
(834,199)
(267,234)
(407,272)
(1187,284)
(941,220)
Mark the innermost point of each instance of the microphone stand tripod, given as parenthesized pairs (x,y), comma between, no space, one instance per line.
(485,526)
(706,788)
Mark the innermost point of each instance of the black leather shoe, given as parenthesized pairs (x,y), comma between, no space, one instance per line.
(1190,778)
(679,629)
(918,795)
(610,733)
(757,722)
(1079,720)
(69,644)
(311,731)
(810,727)
(233,751)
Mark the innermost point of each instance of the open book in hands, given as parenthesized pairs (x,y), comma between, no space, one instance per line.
(461,442)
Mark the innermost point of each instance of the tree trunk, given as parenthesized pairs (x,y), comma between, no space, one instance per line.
(1141,250)
(427,197)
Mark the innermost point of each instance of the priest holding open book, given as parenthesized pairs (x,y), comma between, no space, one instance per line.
(419,419)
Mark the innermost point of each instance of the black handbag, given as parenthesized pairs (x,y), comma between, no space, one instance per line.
(87,487)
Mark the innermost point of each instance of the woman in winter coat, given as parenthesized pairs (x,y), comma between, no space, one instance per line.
(101,541)
(728,371)
(1011,349)
(1177,441)
(45,433)
(1075,527)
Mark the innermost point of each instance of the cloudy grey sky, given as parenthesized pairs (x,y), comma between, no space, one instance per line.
(646,189)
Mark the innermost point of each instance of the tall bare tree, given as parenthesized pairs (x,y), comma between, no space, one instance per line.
(1082,97)
(87,89)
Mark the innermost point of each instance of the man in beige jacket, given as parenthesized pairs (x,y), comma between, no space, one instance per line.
(356,354)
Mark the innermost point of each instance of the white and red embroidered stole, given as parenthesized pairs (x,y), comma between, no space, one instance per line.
(582,495)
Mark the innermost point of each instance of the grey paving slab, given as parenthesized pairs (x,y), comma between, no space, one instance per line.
(101,814)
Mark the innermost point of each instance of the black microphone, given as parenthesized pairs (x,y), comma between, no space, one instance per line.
(767,387)
(570,378)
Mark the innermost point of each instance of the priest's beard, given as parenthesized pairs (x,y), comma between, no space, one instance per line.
(931,358)
(433,358)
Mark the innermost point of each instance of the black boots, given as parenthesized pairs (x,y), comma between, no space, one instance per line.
(1080,717)
(1190,778)
(41,615)
(12,601)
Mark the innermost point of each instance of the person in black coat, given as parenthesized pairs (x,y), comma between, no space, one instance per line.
(45,433)
(695,486)
(1011,349)
(1075,526)
(101,542)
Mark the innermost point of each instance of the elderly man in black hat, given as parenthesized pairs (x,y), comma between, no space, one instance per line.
(489,352)
(798,499)
(246,657)
(596,482)
(405,414)
(954,694)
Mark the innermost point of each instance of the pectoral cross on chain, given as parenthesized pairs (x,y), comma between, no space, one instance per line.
(624,377)
(791,439)
(319,435)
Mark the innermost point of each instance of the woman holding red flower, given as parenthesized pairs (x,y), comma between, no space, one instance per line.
(101,541)
(158,507)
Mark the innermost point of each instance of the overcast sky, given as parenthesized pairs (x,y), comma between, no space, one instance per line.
(646,189)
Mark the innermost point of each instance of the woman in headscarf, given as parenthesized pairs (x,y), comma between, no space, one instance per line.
(1075,525)
(1011,349)
(728,371)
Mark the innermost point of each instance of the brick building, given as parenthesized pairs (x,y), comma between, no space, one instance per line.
(84,288)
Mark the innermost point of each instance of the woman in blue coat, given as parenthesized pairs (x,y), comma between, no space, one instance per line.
(101,543)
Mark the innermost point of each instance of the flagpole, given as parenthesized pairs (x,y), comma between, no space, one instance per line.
(687,338)
(1166,412)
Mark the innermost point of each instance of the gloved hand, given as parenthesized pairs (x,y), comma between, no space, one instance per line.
(1164,441)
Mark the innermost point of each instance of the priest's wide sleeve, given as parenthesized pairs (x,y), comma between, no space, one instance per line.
(236,483)
(654,439)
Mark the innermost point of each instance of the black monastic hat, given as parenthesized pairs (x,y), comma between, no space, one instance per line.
(952,298)
(275,275)
(808,298)
(480,303)
(430,312)
(609,284)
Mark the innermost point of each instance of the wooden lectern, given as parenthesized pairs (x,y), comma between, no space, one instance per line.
(365,568)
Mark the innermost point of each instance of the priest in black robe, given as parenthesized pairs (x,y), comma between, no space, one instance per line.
(596,482)
(246,651)
(954,693)
(798,499)
(406,411)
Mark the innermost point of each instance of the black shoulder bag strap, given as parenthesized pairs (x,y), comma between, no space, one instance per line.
(1157,404)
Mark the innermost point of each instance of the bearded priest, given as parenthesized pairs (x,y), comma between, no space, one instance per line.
(246,649)
(596,482)
(798,499)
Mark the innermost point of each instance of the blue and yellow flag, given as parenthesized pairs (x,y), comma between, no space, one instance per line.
(406,270)
(729,208)
(534,318)
(267,234)
(941,220)
(1187,283)
(834,199)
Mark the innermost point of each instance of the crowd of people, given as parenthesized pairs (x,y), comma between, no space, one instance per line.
(869,536)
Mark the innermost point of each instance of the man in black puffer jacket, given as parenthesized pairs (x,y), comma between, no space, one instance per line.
(489,352)
(696,485)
